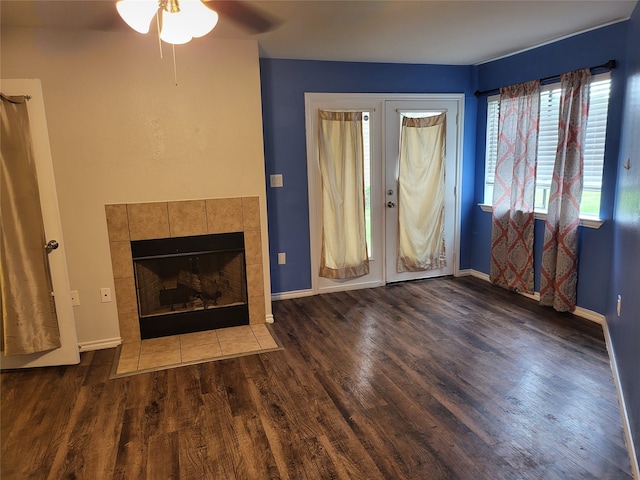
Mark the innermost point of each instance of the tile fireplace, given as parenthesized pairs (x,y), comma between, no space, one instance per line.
(186,266)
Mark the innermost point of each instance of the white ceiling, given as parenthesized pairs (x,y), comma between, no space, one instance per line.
(453,32)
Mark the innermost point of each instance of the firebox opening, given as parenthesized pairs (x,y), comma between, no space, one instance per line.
(190,284)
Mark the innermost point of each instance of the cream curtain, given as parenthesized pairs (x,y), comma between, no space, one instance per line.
(29,323)
(344,245)
(421,181)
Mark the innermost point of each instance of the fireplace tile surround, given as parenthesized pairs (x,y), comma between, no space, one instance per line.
(143,221)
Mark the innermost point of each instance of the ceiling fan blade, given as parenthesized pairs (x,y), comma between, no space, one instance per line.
(244,14)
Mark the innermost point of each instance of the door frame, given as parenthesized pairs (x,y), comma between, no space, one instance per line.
(68,353)
(313,101)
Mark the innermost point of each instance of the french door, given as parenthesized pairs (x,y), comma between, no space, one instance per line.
(382,118)
(394,113)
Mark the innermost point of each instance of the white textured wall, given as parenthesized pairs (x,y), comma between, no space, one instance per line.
(121,131)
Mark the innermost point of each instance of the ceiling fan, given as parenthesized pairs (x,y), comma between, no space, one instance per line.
(181,20)
(243,14)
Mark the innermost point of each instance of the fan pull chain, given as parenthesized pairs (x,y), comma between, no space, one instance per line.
(175,70)
(159,39)
(173,47)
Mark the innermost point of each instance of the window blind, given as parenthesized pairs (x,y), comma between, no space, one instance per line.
(493,112)
(596,134)
(548,137)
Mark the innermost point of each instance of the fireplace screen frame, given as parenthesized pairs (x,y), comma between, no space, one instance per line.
(180,322)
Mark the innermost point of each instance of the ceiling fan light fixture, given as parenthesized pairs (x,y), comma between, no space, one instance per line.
(175,28)
(181,19)
(201,19)
(138,13)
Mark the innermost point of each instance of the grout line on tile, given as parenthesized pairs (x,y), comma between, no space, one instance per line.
(219,344)
(126,209)
(242,211)
(139,353)
(256,337)
(169,221)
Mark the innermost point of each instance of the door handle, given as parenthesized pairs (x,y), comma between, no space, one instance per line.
(51,245)
(391,205)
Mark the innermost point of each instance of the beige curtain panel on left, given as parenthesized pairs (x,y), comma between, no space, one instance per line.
(29,323)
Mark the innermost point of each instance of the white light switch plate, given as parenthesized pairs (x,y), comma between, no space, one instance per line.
(276,180)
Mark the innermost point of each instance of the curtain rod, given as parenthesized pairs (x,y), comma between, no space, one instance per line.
(9,97)
(610,65)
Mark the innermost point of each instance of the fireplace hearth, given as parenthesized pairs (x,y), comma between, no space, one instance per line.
(190,284)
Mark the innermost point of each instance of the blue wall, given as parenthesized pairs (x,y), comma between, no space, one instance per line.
(585,50)
(625,330)
(610,256)
(284,83)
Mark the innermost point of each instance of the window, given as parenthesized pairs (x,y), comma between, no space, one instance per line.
(548,141)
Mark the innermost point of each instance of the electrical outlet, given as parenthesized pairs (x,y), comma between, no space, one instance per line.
(105,295)
(282,258)
(75,298)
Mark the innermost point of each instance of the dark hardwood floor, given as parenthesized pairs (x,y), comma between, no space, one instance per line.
(435,379)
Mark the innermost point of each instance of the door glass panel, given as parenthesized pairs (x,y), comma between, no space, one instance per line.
(367,179)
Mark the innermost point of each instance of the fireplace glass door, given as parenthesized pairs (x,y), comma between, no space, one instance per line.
(190,284)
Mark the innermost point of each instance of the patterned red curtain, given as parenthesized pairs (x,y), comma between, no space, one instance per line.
(514,188)
(559,273)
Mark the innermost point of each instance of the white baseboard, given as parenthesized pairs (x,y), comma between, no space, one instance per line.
(578,312)
(462,273)
(590,315)
(269,318)
(480,275)
(99,344)
(626,425)
(355,286)
(292,294)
